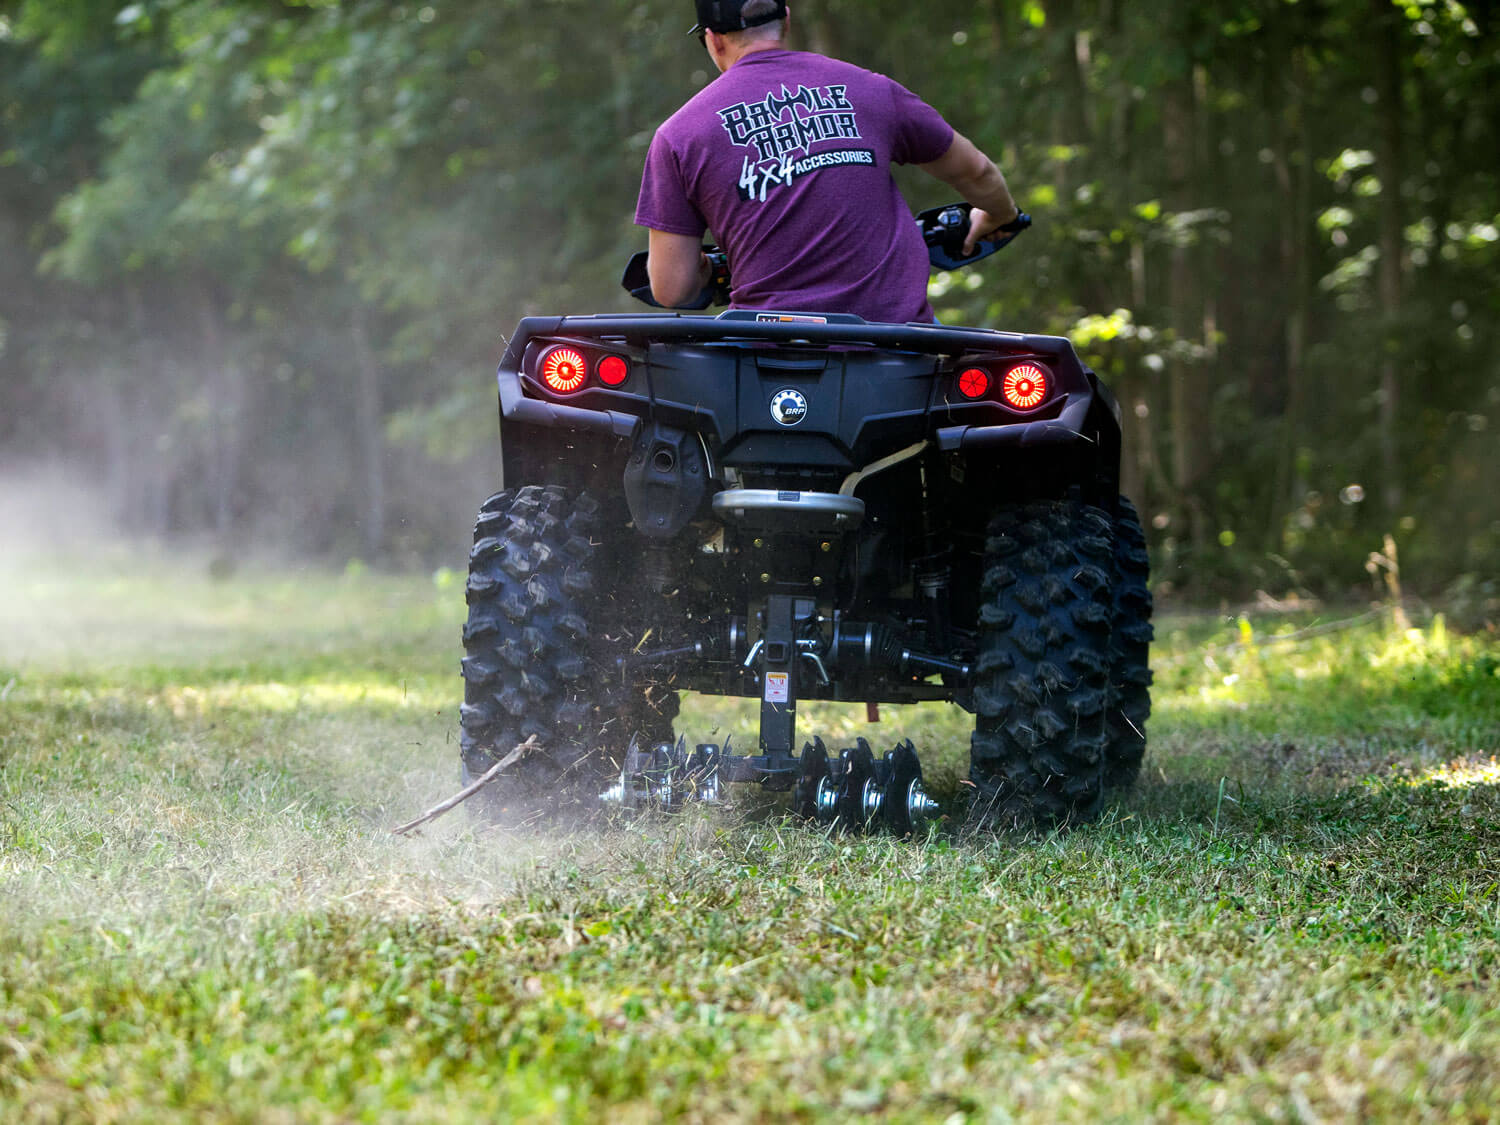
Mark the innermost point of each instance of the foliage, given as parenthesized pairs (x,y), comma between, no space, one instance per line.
(1270,225)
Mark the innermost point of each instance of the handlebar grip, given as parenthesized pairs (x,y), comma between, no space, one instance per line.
(1021,222)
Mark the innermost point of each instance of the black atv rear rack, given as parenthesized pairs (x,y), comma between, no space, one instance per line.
(741,326)
(1067,424)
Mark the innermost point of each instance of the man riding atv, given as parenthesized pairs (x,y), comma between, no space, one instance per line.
(787,159)
(819,494)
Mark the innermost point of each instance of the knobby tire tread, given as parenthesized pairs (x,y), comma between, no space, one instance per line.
(1131,634)
(539,656)
(1042,675)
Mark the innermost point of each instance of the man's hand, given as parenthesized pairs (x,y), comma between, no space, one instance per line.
(677,268)
(982,224)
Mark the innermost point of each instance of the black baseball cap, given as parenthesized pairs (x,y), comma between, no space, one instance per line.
(724,15)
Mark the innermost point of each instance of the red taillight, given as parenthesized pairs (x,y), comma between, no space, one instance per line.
(564,370)
(613,370)
(974,383)
(1024,386)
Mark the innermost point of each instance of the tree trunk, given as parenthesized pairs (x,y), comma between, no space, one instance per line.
(1071,47)
(1185,316)
(226,410)
(1388,162)
(368,421)
(1297,229)
(819,31)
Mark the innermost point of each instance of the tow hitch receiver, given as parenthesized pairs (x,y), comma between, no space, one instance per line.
(852,791)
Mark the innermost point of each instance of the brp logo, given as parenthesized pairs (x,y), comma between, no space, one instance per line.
(788,406)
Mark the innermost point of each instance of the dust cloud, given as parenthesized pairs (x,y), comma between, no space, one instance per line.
(48,511)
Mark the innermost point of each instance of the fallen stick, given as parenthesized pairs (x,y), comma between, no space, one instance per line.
(469,790)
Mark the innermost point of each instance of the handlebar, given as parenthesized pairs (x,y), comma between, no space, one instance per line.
(943,230)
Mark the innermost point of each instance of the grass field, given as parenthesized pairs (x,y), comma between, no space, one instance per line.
(203,915)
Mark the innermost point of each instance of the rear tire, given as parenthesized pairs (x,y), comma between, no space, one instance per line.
(1042,675)
(1129,652)
(537,661)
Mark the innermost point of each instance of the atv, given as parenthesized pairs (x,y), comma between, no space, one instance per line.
(801,505)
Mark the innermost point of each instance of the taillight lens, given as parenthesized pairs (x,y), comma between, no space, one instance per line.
(564,370)
(613,371)
(1024,386)
(974,383)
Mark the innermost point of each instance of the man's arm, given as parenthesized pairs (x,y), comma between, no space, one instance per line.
(974,176)
(677,268)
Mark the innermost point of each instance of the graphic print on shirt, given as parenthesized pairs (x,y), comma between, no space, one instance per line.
(782,129)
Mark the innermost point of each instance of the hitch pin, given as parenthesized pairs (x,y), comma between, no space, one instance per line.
(754,652)
(817,663)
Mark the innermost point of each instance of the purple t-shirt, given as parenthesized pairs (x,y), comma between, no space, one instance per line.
(787,159)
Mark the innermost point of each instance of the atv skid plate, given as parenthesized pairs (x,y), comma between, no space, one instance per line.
(853,791)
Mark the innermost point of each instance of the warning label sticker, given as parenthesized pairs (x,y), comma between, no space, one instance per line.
(788,318)
(778,686)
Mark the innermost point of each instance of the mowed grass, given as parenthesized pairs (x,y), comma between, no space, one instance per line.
(203,916)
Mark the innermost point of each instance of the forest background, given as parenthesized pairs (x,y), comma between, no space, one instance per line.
(257,259)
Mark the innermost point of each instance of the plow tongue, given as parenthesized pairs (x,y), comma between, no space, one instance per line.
(852,791)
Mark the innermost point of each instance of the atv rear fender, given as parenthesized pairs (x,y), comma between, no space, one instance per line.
(868,391)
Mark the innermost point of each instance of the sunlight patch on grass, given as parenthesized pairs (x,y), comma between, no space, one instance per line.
(1466,773)
(279,698)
